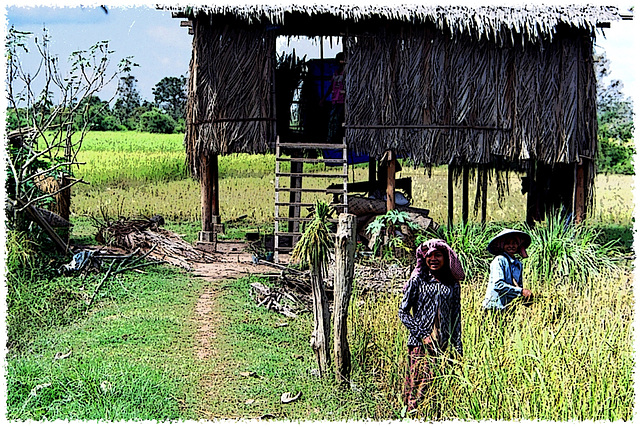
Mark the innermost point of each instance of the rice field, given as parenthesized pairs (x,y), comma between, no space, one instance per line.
(137,174)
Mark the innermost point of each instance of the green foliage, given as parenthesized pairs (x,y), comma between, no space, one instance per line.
(36,299)
(469,241)
(315,244)
(616,156)
(170,95)
(156,122)
(562,252)
(384,231)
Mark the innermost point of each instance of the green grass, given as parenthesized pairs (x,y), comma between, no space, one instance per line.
(253,339)
(132,356)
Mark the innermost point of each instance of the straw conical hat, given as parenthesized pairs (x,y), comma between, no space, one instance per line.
(508,232)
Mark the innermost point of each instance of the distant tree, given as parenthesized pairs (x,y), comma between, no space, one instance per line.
(615,111)
(615,123)
(127,100)
(97,114)
(170,95)
(155,121)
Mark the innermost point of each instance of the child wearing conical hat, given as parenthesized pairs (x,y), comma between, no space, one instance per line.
(505,274)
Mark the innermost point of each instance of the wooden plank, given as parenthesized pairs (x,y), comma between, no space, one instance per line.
(312,175)
(285,218)
(307,160)
(312,190)
(306,146)
(301,204)
(296,234)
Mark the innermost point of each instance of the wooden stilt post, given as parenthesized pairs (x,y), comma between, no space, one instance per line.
(450,168)
(343,285)
(372,174)
(532,201)
(484,189)
(209,203)
(206,196)
(391,180)
(580,200)
(465,194)
(215,195)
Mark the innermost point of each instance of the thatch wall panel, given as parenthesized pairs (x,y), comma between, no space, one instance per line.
(230,103)
(440,100)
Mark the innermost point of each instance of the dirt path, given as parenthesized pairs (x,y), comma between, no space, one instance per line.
(232,262)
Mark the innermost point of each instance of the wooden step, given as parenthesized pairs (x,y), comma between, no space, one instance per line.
(305,160)
(313,175)
(294,219)
(310,190)
(304,205)
(306,146)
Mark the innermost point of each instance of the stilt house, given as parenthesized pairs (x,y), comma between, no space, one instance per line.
(486,88)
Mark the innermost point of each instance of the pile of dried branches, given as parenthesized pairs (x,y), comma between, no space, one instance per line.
(145,234)
(295,286)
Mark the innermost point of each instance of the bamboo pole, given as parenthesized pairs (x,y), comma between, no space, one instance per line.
(483,206)
(343,285)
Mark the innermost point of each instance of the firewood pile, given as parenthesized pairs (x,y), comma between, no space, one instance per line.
(145,234)
(276,299)
(294,286)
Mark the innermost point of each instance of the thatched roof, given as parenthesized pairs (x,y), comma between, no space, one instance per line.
(495,23)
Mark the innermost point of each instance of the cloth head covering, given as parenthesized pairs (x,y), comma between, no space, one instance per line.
(496,245)
(438,244)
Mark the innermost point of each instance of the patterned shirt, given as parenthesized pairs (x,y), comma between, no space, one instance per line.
(501,289)
(425,301)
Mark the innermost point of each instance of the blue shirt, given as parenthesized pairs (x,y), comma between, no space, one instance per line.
(500,289)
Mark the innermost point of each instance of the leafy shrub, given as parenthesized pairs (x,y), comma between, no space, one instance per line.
(383,230)
(156,122)
(616,156)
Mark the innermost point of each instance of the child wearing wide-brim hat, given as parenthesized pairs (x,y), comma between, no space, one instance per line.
(505,273)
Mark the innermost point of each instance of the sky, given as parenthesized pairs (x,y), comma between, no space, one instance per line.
(162,48)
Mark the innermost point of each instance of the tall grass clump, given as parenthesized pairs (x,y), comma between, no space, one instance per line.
(470,242)
(563,251)
(36,298)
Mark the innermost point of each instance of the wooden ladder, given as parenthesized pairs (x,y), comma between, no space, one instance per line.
(294,204)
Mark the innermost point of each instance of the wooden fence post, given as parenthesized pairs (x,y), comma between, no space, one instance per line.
(321,319)
(343,285)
